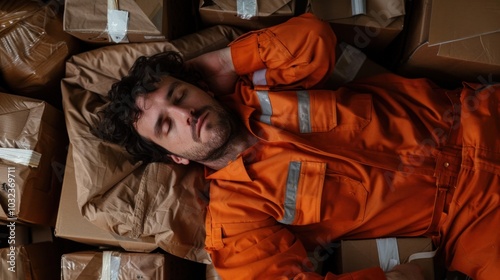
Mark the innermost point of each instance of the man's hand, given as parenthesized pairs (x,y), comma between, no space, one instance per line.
(406,271)
(217,70)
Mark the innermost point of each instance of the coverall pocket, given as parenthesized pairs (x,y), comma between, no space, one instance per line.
(343,201)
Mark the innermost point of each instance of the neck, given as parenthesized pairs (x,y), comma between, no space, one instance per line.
(238,144)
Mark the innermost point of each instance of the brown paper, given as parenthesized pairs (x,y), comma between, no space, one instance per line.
(33,48)
(32,124)
(162,202)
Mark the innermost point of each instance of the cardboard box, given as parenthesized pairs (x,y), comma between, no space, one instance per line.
(37,261)
(120,265)
(31,190)
(268,13)
(355,255)
(369,26)
(34,48)
(453,41)
(146,21)
(71,224)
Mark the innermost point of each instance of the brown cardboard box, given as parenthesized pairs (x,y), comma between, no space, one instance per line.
(370,28)
(225,12)
(34,48)
(89,265)
(30,192)
(71,224)
(37,261)
(451,41)
(156,20)
(360,254)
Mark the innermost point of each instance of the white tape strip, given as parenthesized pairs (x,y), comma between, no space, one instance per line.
(21,156)
(388,253)
(349,63)
(117,22)
(246,9)
(422,255)
(358,7)
(110,266)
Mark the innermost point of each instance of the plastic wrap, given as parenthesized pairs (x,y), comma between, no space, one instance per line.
(33,48)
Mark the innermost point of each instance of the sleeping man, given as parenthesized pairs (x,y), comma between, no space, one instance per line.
(294,165)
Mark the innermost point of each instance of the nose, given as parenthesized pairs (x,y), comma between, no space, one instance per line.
(184,114)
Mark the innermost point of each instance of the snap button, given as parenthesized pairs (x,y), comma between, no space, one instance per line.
(446,164)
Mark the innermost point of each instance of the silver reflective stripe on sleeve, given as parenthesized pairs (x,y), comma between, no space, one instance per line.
(265,106)
(259,77)
(304,111)
(292,184)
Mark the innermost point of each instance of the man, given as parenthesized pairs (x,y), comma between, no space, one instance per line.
(297,166)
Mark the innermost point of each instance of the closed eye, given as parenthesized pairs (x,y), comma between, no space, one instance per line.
(180,96)
(162,126)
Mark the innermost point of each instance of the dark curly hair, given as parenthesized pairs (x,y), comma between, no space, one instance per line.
(117,118)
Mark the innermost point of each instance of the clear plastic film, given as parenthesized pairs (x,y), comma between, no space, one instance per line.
(33,47)
(246,9)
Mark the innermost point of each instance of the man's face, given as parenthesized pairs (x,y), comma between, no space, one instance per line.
(185,120)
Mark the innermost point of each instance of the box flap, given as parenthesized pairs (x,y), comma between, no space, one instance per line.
(453,20)
(265,8)
(482,49)
(381,11)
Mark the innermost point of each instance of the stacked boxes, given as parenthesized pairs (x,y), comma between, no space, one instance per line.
(36,43)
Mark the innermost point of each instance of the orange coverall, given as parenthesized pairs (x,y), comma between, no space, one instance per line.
(383,156)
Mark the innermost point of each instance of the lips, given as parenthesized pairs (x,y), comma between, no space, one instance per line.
(199,123)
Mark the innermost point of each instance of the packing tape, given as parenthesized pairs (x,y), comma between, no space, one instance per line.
(388,253)
(422,255)
(246,9)
(25,157)
(349,63)
(117,23)
(110,266)
(358,7)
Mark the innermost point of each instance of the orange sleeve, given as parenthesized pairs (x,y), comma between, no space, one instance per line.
(299,53)
(272,252)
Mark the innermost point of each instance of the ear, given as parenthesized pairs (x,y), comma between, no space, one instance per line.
(179,160)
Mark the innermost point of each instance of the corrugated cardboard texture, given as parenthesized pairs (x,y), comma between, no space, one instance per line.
(162,202)
(33,125)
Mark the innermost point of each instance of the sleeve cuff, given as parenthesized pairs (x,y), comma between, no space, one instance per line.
(245,54)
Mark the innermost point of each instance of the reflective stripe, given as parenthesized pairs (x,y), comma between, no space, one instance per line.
(292,184)
(259,77)
(265,106)
(304,111)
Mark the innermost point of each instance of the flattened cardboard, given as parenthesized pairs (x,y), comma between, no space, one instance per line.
(372,31)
